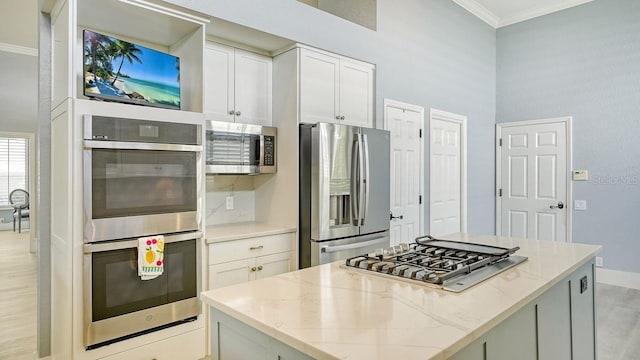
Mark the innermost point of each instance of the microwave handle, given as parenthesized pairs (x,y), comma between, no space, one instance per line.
(128,244)
(124,145)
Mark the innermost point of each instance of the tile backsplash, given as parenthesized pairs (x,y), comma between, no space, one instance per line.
(241,187)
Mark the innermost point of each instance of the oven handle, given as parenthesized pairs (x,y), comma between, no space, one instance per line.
(330,249)
(124,145)
(128,244)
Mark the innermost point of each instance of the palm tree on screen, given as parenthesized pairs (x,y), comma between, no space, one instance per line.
(126,51)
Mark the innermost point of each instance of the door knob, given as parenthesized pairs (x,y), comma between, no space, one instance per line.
(559,206)
(260,267)
(231,112)
(253,268)
(238,113)
(391,217)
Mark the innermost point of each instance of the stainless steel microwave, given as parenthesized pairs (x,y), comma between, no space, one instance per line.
(234,148)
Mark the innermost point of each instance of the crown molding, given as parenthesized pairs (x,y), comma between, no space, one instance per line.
(480,11)
(539,11)
(495,21)
(17,49)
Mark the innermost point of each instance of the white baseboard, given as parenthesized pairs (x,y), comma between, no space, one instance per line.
(9,226)
(618,278)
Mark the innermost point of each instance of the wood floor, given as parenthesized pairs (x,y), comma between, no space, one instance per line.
(18,297)
(618,308)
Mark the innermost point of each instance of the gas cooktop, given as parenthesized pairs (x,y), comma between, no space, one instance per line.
(450,265)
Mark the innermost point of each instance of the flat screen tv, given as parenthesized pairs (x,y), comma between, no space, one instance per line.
(116,70)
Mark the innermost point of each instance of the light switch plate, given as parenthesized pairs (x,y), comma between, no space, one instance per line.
(229,202)
(580,204)
(580,175)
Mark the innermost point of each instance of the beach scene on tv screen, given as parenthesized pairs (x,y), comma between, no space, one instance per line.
(117,69)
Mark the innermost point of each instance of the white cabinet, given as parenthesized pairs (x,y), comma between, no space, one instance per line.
(237,85)
(335,89)
(237,261)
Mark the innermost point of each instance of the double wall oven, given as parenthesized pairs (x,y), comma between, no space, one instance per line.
(141,178)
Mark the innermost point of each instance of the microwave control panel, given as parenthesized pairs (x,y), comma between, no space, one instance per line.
(269,151)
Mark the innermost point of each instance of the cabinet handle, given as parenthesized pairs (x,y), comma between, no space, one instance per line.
(337,117)
(259,267)
(238,113)
(231,112)
(256,247)
(253,268)
(342,117)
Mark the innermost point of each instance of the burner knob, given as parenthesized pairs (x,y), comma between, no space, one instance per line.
(379,252)
(397,249)
(404,246)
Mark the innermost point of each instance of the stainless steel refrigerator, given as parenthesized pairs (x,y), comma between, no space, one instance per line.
(344,192)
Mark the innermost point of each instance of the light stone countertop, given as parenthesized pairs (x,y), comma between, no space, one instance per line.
(329,312)
(243,230)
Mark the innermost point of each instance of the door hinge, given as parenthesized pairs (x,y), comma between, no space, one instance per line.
(500,142)
(500,192)
(420,199)
(420,133)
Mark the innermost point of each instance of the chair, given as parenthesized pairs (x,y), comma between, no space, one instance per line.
(19,199)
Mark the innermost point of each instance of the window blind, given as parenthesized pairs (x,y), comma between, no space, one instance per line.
(14,166)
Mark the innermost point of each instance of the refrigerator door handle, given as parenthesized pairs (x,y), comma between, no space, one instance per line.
(330,249)
(365,178)
(361,180)
(355,216)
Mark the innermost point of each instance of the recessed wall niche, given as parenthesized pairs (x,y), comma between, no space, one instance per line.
(361,12)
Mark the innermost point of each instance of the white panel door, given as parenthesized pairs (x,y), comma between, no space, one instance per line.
(445,193)
(406,160)
(219,82)
(356,94)
(533,163)
(319,80)
(252,88)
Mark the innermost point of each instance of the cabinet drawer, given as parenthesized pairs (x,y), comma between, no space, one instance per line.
(188,346)
(250,247)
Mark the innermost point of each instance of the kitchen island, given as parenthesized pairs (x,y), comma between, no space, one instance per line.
(542,308)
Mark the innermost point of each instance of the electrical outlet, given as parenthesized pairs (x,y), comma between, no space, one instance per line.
(229,203)
(599,261)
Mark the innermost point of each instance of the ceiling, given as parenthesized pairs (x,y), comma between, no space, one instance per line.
(499,13)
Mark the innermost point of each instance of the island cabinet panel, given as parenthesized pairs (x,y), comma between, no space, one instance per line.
(557,325)
(234,340)
(554,323)
(515,337)
(583,330)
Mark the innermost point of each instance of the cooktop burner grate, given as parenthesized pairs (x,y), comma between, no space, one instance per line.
(451,265)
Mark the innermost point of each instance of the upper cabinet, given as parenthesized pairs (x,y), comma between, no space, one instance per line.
(237,86)
(334,88)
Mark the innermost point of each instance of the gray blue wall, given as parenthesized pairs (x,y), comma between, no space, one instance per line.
(585,62)
(430,53)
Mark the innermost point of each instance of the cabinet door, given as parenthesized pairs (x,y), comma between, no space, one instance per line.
(218,82)
(231,273)
(515,337)
(319,93)
(356,93)
(271,265)
(252,88)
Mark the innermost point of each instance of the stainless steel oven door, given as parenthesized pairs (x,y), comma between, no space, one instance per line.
(117,303)
(138,189)
(323,252)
